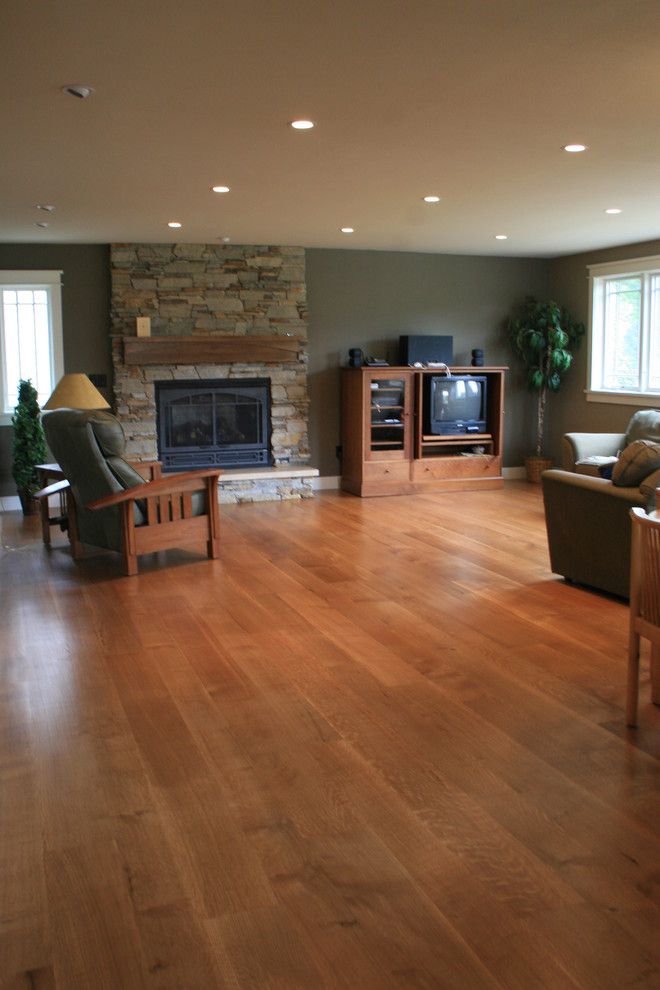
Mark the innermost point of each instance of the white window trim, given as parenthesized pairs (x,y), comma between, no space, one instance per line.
(34,279)
(631,266)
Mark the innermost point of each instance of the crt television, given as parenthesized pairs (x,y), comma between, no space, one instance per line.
(455,405)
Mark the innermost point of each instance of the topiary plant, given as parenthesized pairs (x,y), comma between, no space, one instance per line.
(544,336)
(29,442)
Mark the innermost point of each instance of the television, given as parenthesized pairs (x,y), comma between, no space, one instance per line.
(455,405)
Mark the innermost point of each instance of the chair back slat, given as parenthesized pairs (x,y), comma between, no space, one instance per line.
(152,511)
(176,506)
(650,574)
(186,498)
(164,508)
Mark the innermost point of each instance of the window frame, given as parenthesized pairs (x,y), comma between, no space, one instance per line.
(51,281)
(631,268)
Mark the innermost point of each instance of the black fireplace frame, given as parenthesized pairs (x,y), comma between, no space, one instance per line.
(226,455)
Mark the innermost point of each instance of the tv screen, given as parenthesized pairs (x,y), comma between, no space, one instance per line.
(456,405)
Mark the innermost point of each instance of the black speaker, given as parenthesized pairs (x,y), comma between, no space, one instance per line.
(426,347)
(477,358)
(355,357)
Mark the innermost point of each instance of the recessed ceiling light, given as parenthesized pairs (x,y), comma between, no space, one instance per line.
(41,223)
(574,148)
(220,189)
(613,210)
(174,223)
(431,199)
(501,237)
(347,230)
(302,125)
(75,89)
(45,206)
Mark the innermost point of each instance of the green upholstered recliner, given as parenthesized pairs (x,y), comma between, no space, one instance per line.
(587,517)
(110,503)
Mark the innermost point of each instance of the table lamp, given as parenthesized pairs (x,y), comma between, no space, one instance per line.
(76,392)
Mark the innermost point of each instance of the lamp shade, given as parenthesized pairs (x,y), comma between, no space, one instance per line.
(76,392)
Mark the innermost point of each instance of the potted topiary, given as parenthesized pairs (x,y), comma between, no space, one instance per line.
(544,336)
(29,445)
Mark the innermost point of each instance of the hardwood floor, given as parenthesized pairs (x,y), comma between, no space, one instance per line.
(376,744)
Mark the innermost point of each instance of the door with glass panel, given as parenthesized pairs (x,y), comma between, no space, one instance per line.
(387,409)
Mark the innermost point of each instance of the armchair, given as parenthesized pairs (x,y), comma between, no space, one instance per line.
(110,504)
(588,516)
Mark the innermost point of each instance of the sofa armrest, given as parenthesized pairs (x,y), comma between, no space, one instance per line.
(588,525)
(650,489)
(577,446)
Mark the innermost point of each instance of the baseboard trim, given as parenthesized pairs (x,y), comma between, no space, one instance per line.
(10,503)
(329,482)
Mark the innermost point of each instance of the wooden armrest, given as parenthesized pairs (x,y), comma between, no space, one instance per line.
(57,486)
(188,481)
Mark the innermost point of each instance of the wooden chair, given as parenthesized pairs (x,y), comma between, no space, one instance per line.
(644,606)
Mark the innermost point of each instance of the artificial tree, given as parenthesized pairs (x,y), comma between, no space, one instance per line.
(29,444)
(544,336)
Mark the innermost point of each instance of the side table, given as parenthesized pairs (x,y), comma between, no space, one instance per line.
(46,472)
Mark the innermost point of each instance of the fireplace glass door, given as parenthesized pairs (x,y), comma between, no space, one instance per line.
(223,422)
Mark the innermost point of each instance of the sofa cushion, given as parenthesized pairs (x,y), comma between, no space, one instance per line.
(594,466)
(638,460)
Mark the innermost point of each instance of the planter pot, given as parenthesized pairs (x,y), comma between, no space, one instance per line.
(535,466)
(29,505)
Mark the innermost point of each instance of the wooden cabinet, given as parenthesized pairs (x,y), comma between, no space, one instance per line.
(386,450)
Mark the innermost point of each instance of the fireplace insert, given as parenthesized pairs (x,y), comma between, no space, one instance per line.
(219,422)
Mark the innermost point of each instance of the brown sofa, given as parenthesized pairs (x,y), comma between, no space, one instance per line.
(587,517)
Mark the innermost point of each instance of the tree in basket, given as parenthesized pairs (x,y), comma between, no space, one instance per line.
(544,336)
(29,444)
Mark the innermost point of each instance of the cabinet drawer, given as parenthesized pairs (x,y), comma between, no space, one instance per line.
(431,468)
(386,471)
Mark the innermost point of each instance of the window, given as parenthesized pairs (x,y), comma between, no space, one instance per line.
(30,335)
(624,343)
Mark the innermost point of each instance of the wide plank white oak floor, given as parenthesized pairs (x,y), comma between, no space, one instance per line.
(375,745)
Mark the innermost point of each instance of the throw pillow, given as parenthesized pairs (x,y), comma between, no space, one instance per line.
(595,466)
(638,460)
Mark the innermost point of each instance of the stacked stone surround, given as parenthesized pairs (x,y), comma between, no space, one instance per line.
(212,290)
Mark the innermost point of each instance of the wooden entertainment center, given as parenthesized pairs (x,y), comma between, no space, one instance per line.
(385,450)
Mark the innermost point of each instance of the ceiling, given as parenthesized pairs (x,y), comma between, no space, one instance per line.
(472,100)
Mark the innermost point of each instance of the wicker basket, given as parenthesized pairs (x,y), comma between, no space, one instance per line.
(535,466)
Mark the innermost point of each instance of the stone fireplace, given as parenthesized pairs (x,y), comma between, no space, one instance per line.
(219,313)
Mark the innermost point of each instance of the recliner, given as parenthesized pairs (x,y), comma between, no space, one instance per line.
(111,505)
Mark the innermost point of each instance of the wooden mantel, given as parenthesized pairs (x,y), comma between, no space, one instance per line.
(211,350)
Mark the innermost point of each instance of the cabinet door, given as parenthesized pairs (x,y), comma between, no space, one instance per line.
(387,413)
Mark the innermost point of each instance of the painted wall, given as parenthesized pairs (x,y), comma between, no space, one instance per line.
(85,314)
(569,409)
(367,298)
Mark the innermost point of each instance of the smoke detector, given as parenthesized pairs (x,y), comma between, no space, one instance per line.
(81,92)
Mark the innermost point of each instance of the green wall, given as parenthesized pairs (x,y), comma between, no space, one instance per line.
(569,409)
(367,298)
(85,313)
